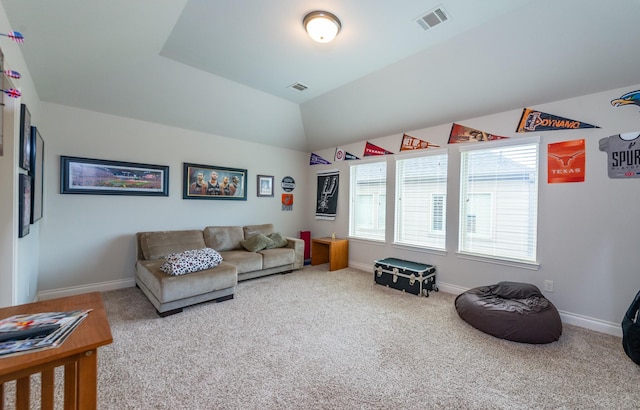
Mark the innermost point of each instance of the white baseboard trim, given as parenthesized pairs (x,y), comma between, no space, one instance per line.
(94,287)
(569,318)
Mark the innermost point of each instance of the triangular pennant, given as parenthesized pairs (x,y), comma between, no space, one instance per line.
(342,155)
(317,159)
(372,150)
(460,133)
(410,143)
(533,120)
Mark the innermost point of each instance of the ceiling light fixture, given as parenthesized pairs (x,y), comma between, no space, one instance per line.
(322,26)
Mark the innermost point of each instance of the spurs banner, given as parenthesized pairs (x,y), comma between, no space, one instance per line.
(372,150)
(317,159)
(342,155)
(327,202)
(533,120)
(566,162)
(411,143)
(623,151)
(460,133)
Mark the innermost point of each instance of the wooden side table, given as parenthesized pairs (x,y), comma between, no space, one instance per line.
(334,251)
(78,354)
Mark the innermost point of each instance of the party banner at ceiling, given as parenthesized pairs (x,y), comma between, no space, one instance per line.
(327,199)
(623,152)
(411,143)
(317,160)
(566,162)
(373,150)
(532,120)
(460,133)
(342,155)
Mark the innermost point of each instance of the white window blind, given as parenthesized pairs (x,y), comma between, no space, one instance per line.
(421,201)
(367,200)
(499,201)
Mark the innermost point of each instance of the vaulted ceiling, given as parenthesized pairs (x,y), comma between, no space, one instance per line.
(225,67)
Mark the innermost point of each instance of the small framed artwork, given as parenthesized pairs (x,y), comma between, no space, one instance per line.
(37,174)
(103,177)
(265,185)
(24,205)
(25,138)
(214,182)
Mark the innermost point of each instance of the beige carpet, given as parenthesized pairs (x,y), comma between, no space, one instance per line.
(315,339)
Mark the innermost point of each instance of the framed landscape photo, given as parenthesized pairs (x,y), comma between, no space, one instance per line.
(214,182)
(25,138)
(265,185)
(37,174)
(103,177)
(24,205)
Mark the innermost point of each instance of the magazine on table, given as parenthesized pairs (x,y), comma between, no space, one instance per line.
(27,333)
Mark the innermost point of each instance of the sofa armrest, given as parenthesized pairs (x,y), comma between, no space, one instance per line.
(298,247)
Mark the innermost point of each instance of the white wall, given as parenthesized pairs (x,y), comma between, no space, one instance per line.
(87,241)
(587,232)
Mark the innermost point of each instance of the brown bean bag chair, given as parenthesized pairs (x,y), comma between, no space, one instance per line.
(512,311)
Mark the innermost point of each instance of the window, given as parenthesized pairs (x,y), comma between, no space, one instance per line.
(421,201)
(499,200)
(367,200)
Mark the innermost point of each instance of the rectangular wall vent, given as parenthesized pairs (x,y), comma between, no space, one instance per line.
(298,86)
(433,18)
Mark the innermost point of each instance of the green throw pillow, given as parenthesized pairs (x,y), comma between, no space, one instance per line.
(279,241)
(256,243)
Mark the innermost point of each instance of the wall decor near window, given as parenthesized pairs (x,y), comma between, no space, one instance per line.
(25,138)
(37,174)
(102,177)
(24,205)
(213,182)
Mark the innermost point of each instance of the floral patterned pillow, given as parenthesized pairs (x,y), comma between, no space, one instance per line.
(191,261)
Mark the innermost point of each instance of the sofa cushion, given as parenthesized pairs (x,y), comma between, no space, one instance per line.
(272,258)
(257,243)
(223,238)
(279,241)
(251,230)
(157,245)
(244,261)
(191,261)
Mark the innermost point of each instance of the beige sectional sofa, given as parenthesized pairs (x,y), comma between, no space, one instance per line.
(170,293)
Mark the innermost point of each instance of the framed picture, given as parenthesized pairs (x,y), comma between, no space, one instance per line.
(265,185)
(24,205)
(102,177)
(213,182)
(37,174)
(25,138)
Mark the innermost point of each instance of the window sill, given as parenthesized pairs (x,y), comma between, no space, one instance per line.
(440,252)
(500,261)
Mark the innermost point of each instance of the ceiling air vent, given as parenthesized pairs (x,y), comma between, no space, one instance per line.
(433,18)
(298,86)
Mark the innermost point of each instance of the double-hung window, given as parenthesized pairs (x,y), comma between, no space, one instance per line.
(499,199)
(421,200)
(367,200)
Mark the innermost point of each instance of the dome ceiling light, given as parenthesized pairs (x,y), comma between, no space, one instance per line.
(322,26)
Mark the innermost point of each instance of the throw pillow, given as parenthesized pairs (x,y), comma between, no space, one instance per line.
(256,243)
(515,290)
(190,261)
(279,241)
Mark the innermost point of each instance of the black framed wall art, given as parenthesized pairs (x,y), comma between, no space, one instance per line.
(25,138)
(24,205)
(37,174)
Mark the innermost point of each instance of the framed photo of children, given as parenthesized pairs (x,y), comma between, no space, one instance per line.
(214,182)
(265,185)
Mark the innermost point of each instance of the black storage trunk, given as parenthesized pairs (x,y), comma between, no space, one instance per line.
(407,276)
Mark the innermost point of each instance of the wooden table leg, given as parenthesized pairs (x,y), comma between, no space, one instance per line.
(1,396)
(70,386)
(23,393)
(46,389)
(87,380)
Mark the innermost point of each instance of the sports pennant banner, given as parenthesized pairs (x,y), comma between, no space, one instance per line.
(566,162)
(342,155)
(373,150)
(317,159)
(411,143)
(327,202)
(533,120)
(460,133)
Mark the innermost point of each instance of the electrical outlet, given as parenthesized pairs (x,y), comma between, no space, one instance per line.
(548,285)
